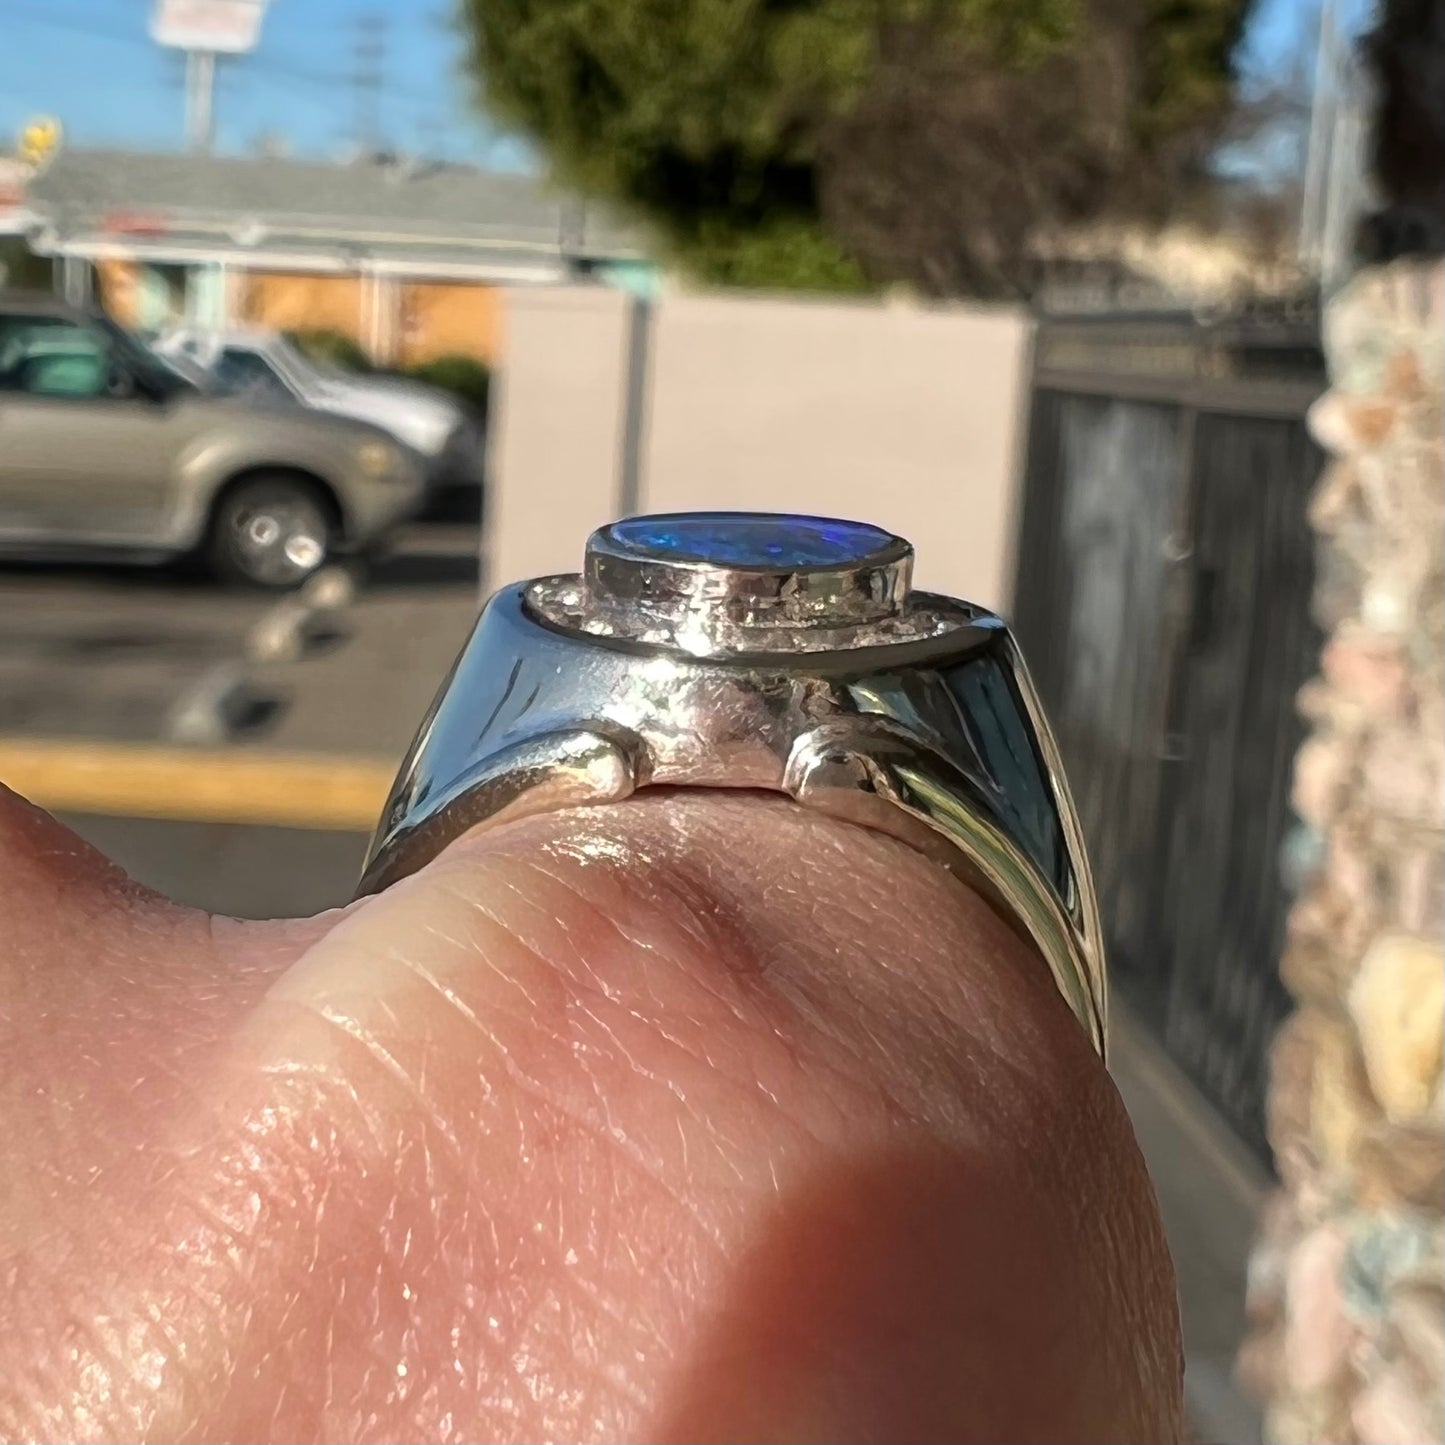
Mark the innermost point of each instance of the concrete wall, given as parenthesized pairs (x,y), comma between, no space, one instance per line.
(904,417)
(909,417)
(556,430)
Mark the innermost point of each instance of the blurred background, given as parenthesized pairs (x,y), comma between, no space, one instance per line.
(318,318)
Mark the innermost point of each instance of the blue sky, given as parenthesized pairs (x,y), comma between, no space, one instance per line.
(91,63)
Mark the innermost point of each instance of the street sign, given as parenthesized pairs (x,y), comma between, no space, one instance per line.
(217,27)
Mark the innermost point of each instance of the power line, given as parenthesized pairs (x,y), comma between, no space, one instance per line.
(45,16)
(281,63)
(369,80)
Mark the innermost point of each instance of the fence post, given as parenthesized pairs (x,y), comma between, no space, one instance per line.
(634,406)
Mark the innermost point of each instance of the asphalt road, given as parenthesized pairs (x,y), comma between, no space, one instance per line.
(225,868)
(112,652)
(107,650)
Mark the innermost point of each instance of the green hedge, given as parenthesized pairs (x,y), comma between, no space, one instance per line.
(334,348)
(464,376)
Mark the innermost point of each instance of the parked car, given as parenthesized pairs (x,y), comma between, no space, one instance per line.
(260,363)
(105,451)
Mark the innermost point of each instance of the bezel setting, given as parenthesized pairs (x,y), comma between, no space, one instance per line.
(710,584)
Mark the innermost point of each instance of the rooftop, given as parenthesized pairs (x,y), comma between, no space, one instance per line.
(377,207)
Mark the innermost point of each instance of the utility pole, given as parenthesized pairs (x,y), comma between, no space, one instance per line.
(1336,181)
(201,100)
(368,78)
(1323,103)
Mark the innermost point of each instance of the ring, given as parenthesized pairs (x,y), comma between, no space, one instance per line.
(751,650)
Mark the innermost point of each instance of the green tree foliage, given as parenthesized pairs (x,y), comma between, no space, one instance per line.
(838,143)
(1406,52)
(464,376)
(332,347)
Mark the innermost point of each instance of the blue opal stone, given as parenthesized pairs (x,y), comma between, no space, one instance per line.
(751,539)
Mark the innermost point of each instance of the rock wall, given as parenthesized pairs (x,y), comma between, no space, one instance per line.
(1347,1283)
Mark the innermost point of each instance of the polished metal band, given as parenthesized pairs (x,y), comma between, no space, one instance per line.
(903,712)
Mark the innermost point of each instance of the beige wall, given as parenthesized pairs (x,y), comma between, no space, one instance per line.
(555,430)
(904,416)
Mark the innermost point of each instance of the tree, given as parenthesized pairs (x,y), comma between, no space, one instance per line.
(837,143)
(1406,53)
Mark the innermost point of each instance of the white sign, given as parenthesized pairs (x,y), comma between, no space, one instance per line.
(224,27)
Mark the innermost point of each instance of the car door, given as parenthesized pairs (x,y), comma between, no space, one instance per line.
(86,454)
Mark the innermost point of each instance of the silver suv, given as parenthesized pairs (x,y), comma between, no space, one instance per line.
(104,450)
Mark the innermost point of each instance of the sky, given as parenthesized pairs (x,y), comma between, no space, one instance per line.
(91,64)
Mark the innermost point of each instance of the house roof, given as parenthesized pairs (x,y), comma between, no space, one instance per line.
(378,208)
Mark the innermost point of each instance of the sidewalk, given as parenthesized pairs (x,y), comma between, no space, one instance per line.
(1211,1191)
(259,713)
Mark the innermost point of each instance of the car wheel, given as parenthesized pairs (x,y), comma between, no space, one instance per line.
(270,531)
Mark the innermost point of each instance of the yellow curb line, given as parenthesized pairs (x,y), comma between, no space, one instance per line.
(209,785)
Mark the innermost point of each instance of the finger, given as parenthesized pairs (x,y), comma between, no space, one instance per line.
(62,900)
(110,995)
(698,1117)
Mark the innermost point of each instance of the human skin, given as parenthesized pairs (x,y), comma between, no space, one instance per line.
(696,1117)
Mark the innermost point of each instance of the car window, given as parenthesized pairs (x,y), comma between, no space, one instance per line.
(52,356)
(242,371)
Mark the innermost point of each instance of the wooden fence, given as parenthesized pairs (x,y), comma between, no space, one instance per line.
(1163,592)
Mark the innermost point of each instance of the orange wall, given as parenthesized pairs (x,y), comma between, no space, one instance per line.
(436,318)
(301,303)
(116,281)
(443,319)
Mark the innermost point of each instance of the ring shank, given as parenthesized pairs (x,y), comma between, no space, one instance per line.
(939,742)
